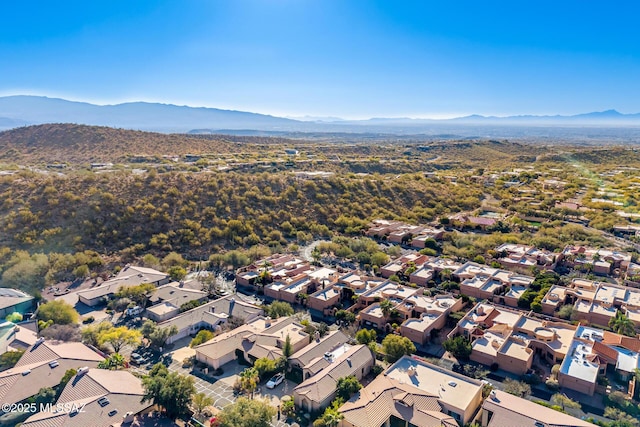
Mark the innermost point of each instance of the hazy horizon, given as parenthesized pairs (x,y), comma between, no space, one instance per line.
(347,59)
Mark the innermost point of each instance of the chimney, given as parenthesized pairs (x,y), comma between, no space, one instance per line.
(82,371)
(267,321)
(411,371)
(181,284)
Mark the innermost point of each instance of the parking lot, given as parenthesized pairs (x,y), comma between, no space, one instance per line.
(220,387)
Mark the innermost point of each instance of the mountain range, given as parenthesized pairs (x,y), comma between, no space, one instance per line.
(22,110)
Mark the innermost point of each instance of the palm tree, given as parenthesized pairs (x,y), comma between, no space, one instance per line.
(621,324)
(249,381)
(386,306)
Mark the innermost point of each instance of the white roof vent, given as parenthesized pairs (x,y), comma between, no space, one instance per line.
(53,364)
(452,383)
(27,372)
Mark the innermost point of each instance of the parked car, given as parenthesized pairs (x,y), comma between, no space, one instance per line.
(275,381)
(137,359)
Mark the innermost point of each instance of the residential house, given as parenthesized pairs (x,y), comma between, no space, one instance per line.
(476,222)
(166,301)
(592,350)
(14,337)
(276,266)
(290,289)
(510,337)
(594,302)
(402,233)
(224,348)
(599,261)
(632,277)
(353,285)
(413,392)
(43,365)
(425,314)
(128,276)
(398,266)
(484,282)
(324,299)
(524,258)
(310,359)
(258,338)
(316,392)
(502,409)
(14,300)
(210,316)
(270,342)
(96,398)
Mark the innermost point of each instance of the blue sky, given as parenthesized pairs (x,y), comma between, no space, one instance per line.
(353,59)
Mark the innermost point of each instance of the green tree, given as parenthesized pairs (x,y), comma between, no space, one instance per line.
(279,309)
(621,324)
(365,336)
(81,271)
(174,259)
(379,258)
(138,294)
(200,401)
(346,317)
(517,388)
(459,347)
(348,386)
(386,306)
(331,416)
(177,272)
(169,390)
(201,337)
(564,402)
(10,358)
(120,304)
(91,333)
(159,337)
(395,347)
(236,259)
(287,348)
(113,362)
(565,312)
(247,381)
(288,407)
(265,367)
(45,395)
(14,317)
(120,337)
(247,413)
(58,312)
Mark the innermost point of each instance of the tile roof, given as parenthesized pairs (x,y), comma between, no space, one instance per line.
(33,371)
(221,306)
(384,397)
(98,393)
(323,384)
(630,343)
(509,410)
